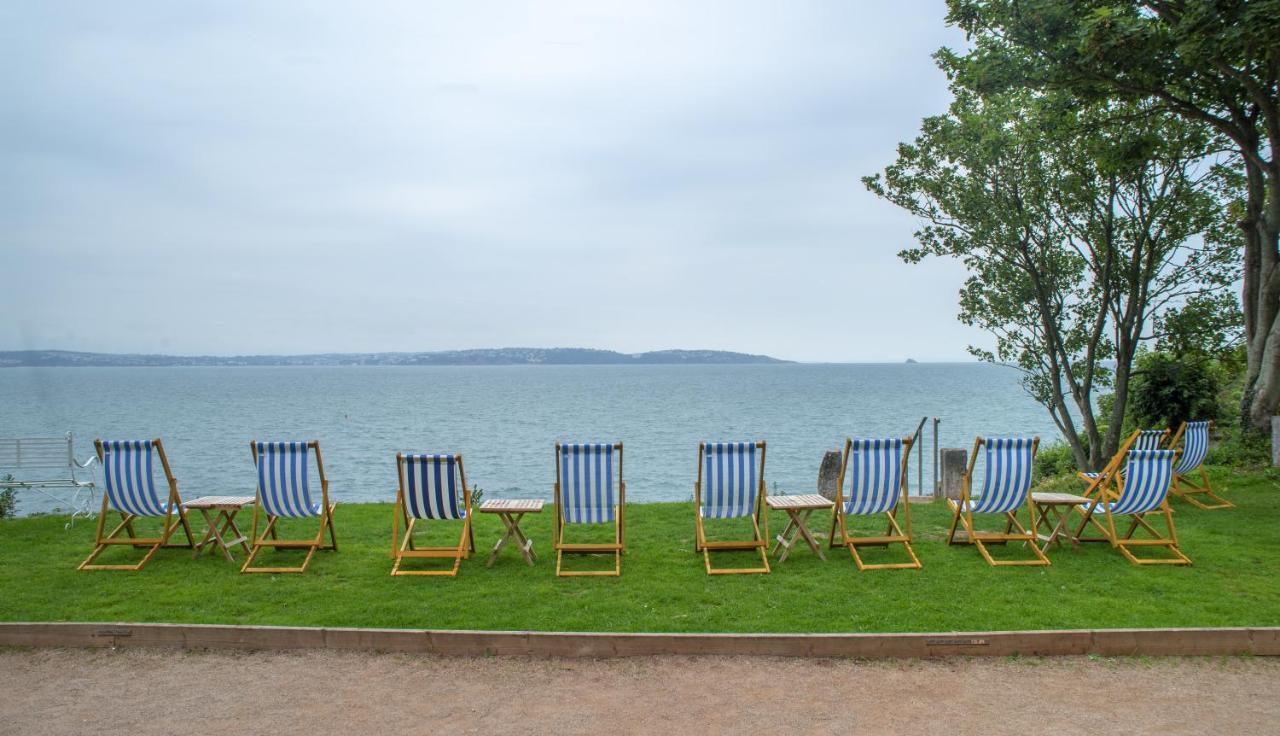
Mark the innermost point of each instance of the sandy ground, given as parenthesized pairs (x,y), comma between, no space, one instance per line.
(163,692)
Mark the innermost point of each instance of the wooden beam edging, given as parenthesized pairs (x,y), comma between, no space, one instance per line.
(1106,642)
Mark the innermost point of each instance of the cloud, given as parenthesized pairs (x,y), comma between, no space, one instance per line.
(298,177)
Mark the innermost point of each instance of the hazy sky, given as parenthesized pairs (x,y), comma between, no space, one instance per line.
(273,177)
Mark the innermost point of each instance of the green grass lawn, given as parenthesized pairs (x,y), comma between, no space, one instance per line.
(1235,581)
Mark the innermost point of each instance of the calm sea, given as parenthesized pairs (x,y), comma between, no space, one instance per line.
(505,419)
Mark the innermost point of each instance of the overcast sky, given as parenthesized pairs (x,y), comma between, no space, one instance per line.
(272,177)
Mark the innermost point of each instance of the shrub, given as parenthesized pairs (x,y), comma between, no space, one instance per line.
(1239,450)
(1167,390)
(1053,461)
(8,500)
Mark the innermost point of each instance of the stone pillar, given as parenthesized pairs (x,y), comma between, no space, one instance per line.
(954,462)
(1275,441)
(829,474)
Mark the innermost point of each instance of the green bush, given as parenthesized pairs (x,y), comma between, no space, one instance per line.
(1235,449)
(1167,390)
(8,501)
(1053,461)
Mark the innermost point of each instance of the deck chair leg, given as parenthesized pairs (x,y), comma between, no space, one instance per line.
(982,548)
(1187,491)
(893,535)
(126,527)
(333,533)
(186,528)
(1090,517)
(835,520)
(955,520)
(248,562)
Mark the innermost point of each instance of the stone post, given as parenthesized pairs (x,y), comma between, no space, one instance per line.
(954,462)
(829,474)
(1275,441)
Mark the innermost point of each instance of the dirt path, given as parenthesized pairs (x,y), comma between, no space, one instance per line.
(161,692)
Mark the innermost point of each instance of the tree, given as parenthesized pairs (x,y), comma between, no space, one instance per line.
(1074,222)
(1213,63)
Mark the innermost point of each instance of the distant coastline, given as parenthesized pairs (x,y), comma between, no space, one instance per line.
(492,356)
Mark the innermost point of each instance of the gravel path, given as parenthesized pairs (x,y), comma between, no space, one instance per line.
(323,692)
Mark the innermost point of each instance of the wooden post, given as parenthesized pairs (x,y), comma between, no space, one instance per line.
(954,461)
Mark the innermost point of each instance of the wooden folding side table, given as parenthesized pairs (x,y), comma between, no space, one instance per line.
(511,510)
(1055,507)
(799,508)
(223,518)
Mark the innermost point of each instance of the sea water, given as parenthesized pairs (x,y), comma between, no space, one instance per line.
(505,419)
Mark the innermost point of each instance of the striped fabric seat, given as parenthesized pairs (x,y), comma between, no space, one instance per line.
(588,487)
(284,487)
(875,470)
(1008,476)
(1195,445)
(432,487)
(127,468)
(1148,439)
(1148,477)
(730,483)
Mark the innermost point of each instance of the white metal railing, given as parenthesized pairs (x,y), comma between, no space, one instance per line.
(48,464)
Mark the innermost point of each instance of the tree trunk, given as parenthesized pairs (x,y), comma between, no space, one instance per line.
(1262,382)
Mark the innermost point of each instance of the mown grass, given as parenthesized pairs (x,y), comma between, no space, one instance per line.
(663,587)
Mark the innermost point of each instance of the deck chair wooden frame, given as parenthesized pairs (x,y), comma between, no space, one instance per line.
(882,494)
(416,501)
(1143,482)
(1139,439)
(266,506)
(1183,486)
(130,491)
(602,489)
(759,515)
(962,512)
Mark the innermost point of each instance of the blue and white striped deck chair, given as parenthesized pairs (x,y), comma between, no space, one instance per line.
(730,485)
(1149,476)
(877,473)
(286,491)
(128,468)
(1142,439)
(1195,446)
(432,488)
(589,490)
(1005,489)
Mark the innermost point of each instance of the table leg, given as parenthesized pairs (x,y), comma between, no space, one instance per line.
(239,538)
(513,532)
(1064,515)
(796,528)
(217,535)
(786,537)
(208,535)
(804,532)
(526,545)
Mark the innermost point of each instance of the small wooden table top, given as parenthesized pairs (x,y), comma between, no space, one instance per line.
(511,506)
(802,501)
(1065,499)
(219,502)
